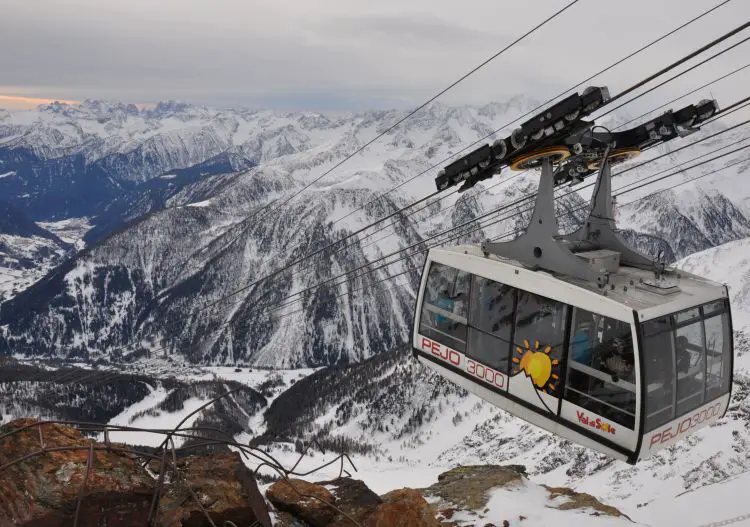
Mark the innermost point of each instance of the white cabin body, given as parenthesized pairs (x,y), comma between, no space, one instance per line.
(626,369)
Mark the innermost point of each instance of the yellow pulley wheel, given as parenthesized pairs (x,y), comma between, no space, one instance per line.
(533,159)
(618,155)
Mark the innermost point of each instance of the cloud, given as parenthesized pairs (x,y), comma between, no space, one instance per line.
(342,54)
(11,102)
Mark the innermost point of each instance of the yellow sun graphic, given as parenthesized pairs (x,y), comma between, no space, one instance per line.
(537,365)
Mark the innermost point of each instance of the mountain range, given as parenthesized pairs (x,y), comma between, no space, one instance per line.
(188,205)
(199,216)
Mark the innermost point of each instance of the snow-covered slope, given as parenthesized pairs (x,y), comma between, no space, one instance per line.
(729,264)
(27,251)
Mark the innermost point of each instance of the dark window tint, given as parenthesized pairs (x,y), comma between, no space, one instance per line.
(489,350)
(691,366)
(491,323)
(686,316)
(660,375)
(601,366)
(718,355)
(687,361)
(713,307)
(540,327)
(445,306)
(492,307)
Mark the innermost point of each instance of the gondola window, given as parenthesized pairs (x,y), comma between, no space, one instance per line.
(445,306)
(718,355)
(688,355)
(491,323)
(540,328)
(601,372)
(690,360)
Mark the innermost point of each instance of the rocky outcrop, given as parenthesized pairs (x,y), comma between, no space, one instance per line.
(461,497)
(226,490)
(403,508)
(468,487)
(44,489)
(51,474)
(346,502)
(306,501)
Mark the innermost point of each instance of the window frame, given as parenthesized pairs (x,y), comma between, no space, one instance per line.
(592,372)
(562,345)
(515,291)
(673,326)
(429,307)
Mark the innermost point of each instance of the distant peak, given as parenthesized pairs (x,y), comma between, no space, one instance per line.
(165,108)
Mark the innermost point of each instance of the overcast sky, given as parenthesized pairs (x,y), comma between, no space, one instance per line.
(347,54)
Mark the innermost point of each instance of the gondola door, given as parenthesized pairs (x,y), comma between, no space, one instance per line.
(600,392)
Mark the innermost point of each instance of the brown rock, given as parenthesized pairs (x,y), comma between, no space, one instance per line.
(284,519)
(581,500)
(42,490)
(304,500)
(225,488)
(468,486)
(448,513)
(354,499)
(403,508)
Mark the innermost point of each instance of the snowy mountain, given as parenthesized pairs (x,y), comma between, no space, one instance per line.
(27,250)
(157,284)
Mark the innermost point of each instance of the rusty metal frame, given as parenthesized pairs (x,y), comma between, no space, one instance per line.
(162,454)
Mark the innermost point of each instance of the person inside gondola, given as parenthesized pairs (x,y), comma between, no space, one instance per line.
(619,360)
(684,356)
(446,303)
(583,345)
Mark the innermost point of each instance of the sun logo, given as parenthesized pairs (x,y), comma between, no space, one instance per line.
(537,365)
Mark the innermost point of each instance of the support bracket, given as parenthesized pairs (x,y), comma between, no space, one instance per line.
(600,231)
(539,247)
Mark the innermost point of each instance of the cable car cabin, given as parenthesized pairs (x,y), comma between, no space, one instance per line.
(625,369)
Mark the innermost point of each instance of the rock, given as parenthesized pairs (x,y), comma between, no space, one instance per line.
(225,487)
(43,490)
(354,498)
(581,500)
(284,519)
(448,513)
(403,508)
(304,500)
(467,486)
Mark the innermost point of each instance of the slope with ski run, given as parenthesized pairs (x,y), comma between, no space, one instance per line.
(146,414)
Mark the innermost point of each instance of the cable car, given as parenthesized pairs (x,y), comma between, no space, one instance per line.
(579,334)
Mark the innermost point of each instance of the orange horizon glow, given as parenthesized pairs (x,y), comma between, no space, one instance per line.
(19,102)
